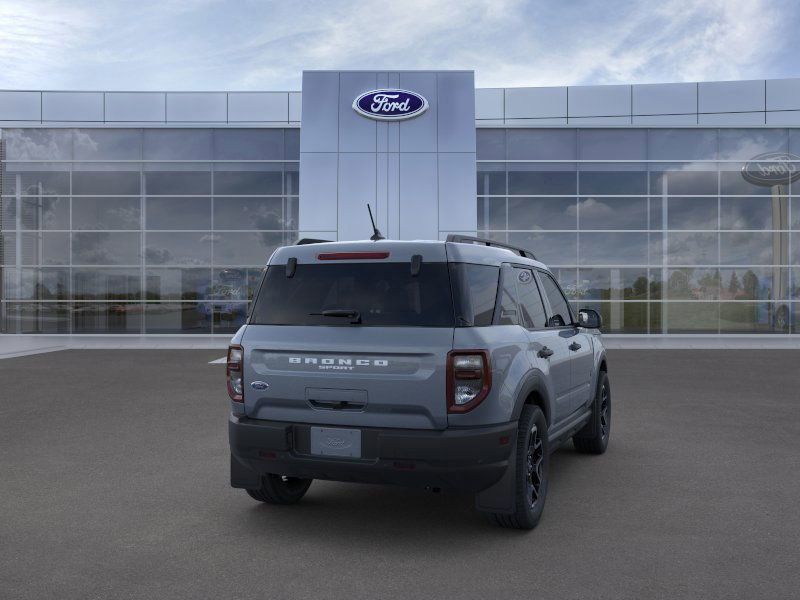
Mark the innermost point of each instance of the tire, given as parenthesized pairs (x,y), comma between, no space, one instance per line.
(593,438)
(277,489)
(532,463)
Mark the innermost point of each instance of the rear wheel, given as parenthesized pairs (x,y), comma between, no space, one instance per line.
(279,489)
(532,465)
(593,438)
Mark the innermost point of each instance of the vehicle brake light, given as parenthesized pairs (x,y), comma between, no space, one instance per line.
(469,379)
(234,373)
(351,255)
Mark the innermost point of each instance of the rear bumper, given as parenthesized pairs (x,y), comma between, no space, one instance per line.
(464,459)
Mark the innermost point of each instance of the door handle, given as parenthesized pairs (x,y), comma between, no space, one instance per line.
(545,352)
(574,346)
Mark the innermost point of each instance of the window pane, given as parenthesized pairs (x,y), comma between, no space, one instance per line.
(621,317)
(35,180)
(178,183)
(692,213)
(542,213)
(530,180)
(106,284)
(177,144)
(749,317)
(693,284)
(35,284)
(178,213)
(733,182)
(291,179)
(492,213)
(291,141)
(755,213)
(172,248)
(30,317)
(530,300)
(613,248)
(692,248)
(749,248)
(491,144)
(755,283)
(115,248)
(559,308)
(248,213)
(248,144)
(491,179)
(474,293)
(183,317)
(108,144)
(107,317)
(691,317)
(38,144)
(613,284)
(235,283)
(227,317)
(612,144)
(248,180)
(610,182)
(509,311)
(240,249)
(44,212)
(106,213)
(745,144)
(612,213)
(682,144)
(118,183)
(178,284)
(541,144)
(550,248)
(45,248)
(695,180)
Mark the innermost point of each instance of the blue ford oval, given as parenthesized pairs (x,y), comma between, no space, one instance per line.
(390,105)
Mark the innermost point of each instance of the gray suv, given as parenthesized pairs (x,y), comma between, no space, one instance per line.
(453,365)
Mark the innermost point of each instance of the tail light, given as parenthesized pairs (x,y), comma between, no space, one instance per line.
(469,379)
(234,373)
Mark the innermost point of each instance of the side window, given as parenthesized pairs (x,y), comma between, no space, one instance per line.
(530,300)
(558,304)
(509,314)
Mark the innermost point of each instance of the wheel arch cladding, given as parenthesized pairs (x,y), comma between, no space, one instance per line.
(534,391)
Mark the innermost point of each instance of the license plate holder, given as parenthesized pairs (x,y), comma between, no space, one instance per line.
(335,441)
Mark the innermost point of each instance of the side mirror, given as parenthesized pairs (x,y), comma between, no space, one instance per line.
(590,319)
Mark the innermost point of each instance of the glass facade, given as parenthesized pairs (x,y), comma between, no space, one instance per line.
(159,230)
(141,230)
(656,229)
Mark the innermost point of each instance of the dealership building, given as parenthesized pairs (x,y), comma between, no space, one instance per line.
(671,209)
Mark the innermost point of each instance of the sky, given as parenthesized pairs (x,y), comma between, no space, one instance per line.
(265,45)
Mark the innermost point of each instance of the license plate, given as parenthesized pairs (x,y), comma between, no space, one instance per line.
(331,441)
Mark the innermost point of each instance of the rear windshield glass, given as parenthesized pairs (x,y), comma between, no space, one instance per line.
(383,295)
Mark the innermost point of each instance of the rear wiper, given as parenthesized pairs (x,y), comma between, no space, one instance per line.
(344,313)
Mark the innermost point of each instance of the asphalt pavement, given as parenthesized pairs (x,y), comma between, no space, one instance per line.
(114,484)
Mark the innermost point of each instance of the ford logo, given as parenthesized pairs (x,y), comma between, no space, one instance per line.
(259,385)
(337,442)
(772,168)
(390,105)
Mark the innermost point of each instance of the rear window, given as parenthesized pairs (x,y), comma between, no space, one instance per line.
(384,294)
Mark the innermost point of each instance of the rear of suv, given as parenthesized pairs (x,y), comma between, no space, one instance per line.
(453,365)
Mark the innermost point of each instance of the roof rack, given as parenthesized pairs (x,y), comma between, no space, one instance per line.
(305,241)
(466,239)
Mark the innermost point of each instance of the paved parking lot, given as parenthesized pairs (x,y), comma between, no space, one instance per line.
(113,484)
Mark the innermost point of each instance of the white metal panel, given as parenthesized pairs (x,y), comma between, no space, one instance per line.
(599,101)
(318,184)
(665,120)
(253,107)
(537,122)
(295,106)
(600,120)
(742,118)
(72,106)
(489,122)
(356,189)
(784,118)
(20,106)
(783,94)
(136,107)
(489,103)
(731,96)
(458,209)
(356,132)
(455,105)
(664,98)
(197,107)
(418,196)
(536,103)
(419,134)
(320,129)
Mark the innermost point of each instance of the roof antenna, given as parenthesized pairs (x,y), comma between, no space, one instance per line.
(377,234)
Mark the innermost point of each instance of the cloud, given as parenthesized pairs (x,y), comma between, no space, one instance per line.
(216,44)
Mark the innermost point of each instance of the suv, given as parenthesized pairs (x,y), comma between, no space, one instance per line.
(447,365)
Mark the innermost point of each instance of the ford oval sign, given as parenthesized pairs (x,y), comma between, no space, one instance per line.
(772,168)
(390,105)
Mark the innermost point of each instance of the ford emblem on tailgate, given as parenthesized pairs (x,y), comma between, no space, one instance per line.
(390,105)
(259,385)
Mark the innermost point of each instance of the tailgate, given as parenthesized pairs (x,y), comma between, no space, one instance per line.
(350,376)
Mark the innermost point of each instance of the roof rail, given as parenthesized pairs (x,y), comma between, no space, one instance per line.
(466,239)
(305,241)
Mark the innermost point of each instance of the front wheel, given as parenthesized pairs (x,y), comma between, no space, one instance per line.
(279,489)
(532,462)
(593,438)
